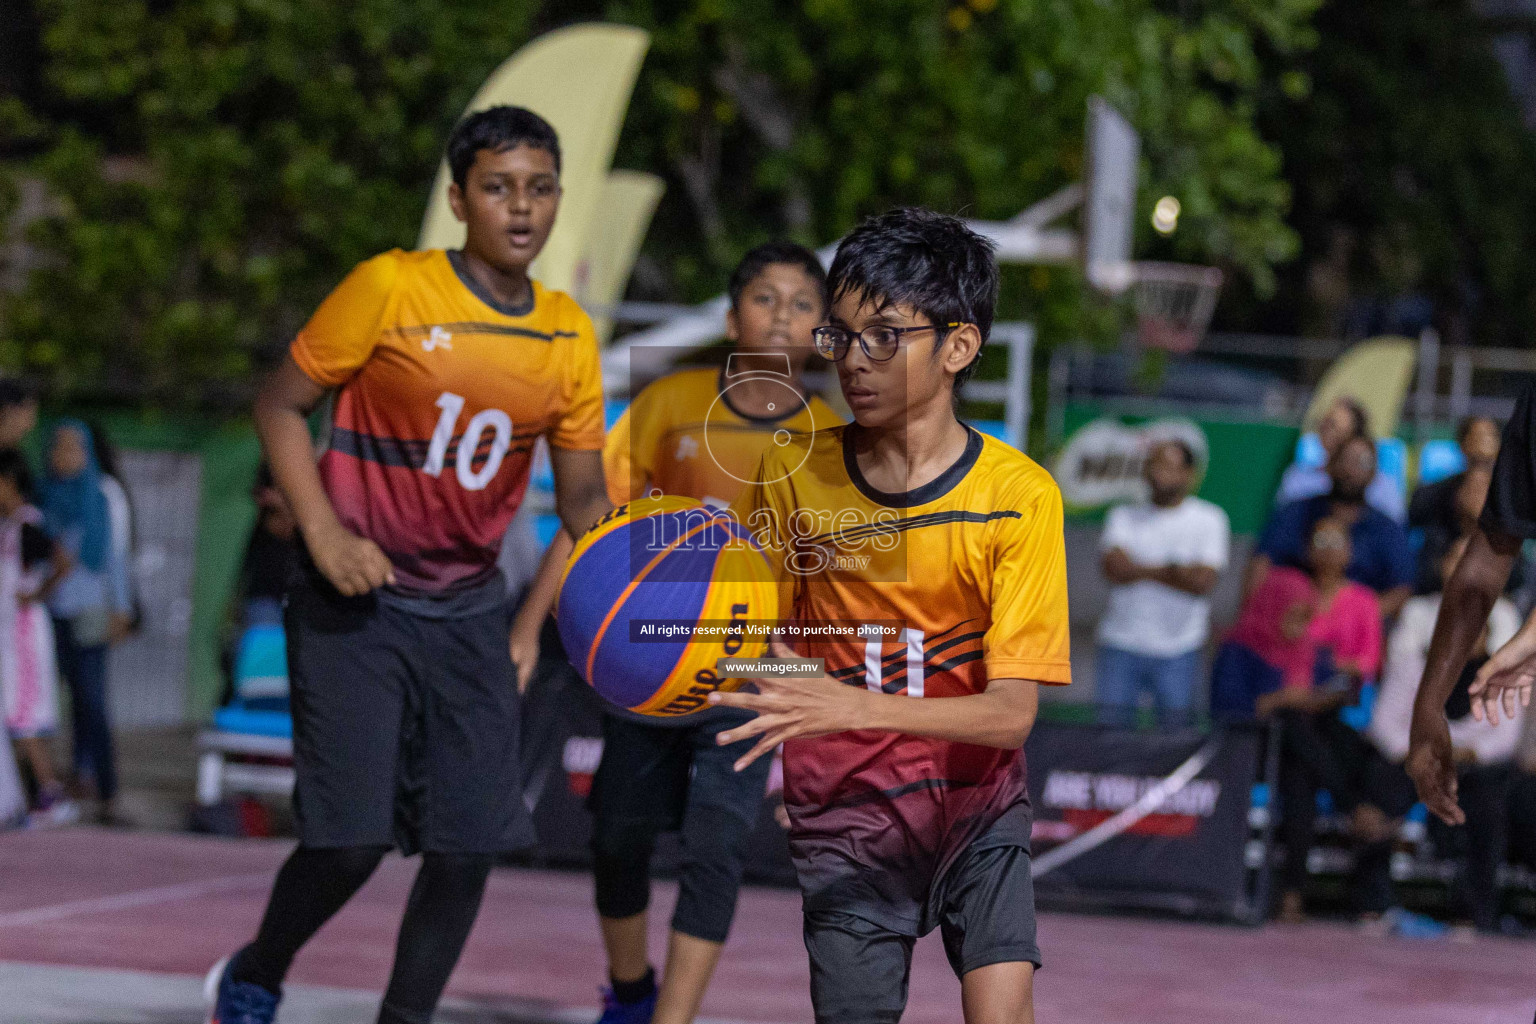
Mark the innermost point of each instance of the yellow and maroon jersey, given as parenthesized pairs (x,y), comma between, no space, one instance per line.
(930,593)
(442,393)
(683,436)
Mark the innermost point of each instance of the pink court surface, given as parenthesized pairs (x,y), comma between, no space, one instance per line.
(101,927)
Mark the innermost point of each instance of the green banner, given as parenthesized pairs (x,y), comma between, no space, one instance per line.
(1099,462)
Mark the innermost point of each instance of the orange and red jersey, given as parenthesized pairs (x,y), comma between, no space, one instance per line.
(441,395)
(683,435)
(965,577)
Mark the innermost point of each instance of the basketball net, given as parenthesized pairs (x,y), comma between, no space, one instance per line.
(1174,303)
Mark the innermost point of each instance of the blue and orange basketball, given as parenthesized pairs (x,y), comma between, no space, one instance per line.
(635,584)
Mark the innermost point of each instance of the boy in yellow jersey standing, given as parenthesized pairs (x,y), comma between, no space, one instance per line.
(942,551)
(698,433)
(445,366)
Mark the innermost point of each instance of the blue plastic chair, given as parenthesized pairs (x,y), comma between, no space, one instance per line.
(1309,452)
(260,706)
(1438,460)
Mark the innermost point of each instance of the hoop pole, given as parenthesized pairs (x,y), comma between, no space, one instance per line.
(1020,339)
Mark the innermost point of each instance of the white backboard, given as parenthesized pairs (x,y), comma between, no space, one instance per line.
(1114,150)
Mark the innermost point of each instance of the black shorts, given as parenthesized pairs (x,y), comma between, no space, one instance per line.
(653,774)
(986,914)
(405,728)
(655,779)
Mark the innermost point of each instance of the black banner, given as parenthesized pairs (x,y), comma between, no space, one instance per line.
(1186,855)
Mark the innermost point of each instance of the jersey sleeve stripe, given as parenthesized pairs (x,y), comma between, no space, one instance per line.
(415,332)
(914,523)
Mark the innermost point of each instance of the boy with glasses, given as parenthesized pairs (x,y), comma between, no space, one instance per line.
(931,561)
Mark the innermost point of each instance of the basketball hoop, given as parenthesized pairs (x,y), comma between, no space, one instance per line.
(1174,303)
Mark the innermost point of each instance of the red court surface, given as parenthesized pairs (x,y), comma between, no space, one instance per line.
(168,905)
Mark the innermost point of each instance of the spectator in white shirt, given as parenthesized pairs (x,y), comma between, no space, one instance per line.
(1483,753)
(1162,558)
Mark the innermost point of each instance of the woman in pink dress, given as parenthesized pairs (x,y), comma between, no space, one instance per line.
(1299,651)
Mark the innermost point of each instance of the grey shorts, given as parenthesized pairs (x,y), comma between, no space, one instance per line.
(859,969)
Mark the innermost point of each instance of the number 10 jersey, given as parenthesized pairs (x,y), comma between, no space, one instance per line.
(442,393)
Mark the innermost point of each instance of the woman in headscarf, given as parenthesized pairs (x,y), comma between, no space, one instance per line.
(89,605)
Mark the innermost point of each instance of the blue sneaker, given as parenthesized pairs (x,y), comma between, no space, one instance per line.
(237,1002)
(638,1012)
(1407,925)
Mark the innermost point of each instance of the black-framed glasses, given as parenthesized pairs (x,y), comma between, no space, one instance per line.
(878,341)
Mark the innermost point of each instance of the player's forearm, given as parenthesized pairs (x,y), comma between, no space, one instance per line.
(1002,716)
(581,493)
(1464,610)
(284,432)
(286,443)
(545,586)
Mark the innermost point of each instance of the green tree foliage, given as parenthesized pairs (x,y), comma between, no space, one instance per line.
(222,163)
(215,165)
(800,118)
(1412,170)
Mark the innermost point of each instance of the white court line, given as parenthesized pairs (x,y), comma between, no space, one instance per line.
(53,994)
(130,900)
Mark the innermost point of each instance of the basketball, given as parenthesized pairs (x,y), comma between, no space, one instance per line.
(638,585)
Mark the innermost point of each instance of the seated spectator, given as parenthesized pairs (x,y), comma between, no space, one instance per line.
(1522,797)
(1483,753)
(1296,629)
(1381,559)
(1434,506)
(1345,419)
(1162,558)
(1299,651)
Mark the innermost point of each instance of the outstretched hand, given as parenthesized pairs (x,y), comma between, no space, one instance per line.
(1431,764)
(791,707)
(1505,679)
